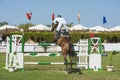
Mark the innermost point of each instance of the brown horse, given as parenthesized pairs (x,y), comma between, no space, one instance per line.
(67,48)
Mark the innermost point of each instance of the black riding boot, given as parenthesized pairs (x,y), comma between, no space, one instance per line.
(67,34)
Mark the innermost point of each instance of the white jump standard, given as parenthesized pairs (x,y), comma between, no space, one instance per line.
(14,57)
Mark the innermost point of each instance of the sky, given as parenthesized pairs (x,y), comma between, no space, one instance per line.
(91,11)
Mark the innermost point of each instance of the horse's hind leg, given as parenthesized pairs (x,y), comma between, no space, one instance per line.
(70,63)
(71,57)
(66,63)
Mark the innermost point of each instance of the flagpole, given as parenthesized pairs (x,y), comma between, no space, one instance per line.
(53,17)
(30,16)
(78,21)
(30,21)
(78,17)
(104,21)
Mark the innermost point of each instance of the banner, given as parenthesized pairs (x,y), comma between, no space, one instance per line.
(53,17)
(104,20)
(29,15)
(78,16)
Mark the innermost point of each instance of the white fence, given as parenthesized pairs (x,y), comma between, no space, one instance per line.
(111,46)
(36,48)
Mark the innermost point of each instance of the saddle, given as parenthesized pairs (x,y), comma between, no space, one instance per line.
(63,33)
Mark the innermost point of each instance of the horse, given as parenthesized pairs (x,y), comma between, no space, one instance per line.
(67,49)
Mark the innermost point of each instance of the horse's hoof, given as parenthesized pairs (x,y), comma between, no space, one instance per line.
(67,72)
(71,70)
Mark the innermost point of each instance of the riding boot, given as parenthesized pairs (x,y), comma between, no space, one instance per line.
(67,34)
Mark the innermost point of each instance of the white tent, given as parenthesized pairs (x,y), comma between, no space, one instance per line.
(99,28)
(78,27)
(8,28)
(116,28)
(39,27)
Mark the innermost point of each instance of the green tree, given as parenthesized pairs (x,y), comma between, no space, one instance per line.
(3,23)
(26,26)
(49,25)
(70,24)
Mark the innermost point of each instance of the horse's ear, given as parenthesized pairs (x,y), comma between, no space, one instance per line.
(52,24)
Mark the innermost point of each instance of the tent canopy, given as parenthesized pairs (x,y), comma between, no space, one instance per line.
(78,27)
(40,27)
(99,28)
(8,28)
(116,28)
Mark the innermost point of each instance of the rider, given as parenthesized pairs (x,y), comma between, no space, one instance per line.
(61,23)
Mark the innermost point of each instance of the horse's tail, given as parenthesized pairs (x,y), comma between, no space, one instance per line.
(72,51)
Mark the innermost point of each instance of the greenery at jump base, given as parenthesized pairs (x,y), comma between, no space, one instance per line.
(48,36)
(56,72)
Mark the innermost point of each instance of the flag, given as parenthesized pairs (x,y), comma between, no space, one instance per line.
(53,17)
(29,15)
(78,16)
(104,20)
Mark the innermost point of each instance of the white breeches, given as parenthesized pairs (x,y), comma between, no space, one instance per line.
(60,26)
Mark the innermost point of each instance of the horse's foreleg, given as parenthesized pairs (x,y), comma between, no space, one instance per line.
(71,64)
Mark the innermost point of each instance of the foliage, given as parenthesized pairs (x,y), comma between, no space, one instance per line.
(3,23)
(25,26)
(111,56)
(70,25)
(75,36)
(49,25)
(44,45)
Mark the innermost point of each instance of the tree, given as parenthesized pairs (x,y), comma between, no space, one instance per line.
(70,24)
(25,26)
(49,25)
(3,23)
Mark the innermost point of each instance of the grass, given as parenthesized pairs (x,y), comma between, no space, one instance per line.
(56,72)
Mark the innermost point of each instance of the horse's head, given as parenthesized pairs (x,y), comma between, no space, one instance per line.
(54,26)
